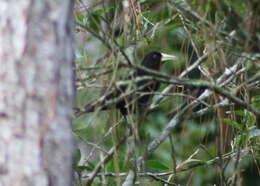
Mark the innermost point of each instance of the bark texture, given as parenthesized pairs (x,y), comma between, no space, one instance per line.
(36,92)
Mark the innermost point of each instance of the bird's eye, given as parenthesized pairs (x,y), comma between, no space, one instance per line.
(155,56)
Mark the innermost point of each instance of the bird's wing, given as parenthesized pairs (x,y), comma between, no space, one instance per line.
(117,93)
(123,93)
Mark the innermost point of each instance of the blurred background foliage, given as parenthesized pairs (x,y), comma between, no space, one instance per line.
(108,33)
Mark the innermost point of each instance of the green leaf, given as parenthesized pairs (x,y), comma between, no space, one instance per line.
(90,166)
(110,166)
(240,113)
(148,15)
(153,164)
(80,18)
(233,123)
(148,1)
(250,119)
(94,22)
(77,156)
(256,101)
(81,168)
(102,11)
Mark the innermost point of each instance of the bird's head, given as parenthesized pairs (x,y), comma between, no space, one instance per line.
(154,59)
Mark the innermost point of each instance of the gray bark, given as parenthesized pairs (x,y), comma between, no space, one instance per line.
(36,93)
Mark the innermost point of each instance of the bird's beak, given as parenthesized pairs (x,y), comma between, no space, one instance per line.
(166,57)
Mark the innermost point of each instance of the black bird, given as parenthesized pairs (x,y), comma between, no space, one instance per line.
(127,103)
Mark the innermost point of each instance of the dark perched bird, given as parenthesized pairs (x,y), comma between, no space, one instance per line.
(127,97)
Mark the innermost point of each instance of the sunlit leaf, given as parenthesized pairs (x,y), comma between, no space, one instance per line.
(233,123)
(157,165)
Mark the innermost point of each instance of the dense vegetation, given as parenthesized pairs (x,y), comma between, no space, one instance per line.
(202,125)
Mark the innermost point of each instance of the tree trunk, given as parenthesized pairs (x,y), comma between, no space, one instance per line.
(36,93)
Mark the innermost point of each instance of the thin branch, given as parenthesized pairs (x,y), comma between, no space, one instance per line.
(186,165)
(179,117)
(185,8)
(94,34)
(129,181)
(215,88)
(104,161)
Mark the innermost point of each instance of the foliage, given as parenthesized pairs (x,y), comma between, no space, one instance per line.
(215,138)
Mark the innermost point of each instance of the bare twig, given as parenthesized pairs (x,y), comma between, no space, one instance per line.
(186,165)
(104,160)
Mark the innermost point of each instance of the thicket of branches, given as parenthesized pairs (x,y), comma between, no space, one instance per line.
(202,125)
